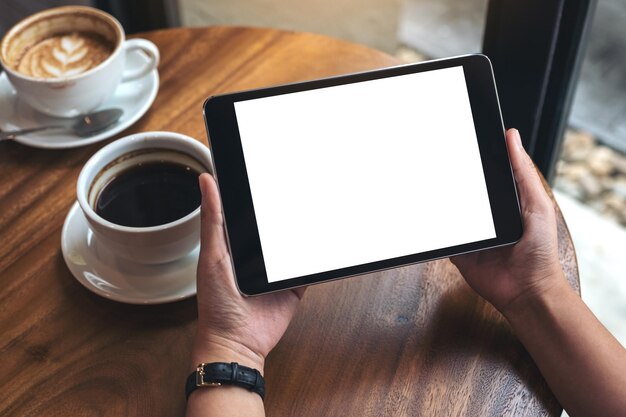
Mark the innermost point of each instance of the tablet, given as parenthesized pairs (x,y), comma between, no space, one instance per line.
(348,175)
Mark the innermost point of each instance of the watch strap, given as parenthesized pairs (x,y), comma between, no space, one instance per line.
(222,373)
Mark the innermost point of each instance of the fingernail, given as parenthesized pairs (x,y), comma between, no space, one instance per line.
(202,190)
(518,139)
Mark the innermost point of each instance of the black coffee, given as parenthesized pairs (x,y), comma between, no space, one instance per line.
(150,194)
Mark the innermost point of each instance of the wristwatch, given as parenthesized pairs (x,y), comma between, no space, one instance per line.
(220,373)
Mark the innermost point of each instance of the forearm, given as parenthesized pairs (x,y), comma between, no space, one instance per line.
(224,400)
(582,362)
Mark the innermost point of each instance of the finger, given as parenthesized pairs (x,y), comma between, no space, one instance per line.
(213,243)
(210,199)
(462,261)
(299,292)
(533,197)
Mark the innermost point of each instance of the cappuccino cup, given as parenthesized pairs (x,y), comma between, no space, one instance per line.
(67,61)
(141,197)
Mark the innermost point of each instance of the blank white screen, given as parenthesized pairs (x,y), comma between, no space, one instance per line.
(363,172)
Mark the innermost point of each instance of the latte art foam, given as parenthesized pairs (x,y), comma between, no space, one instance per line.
(64,55)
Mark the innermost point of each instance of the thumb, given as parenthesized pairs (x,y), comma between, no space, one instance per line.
(213,244)
(533,197)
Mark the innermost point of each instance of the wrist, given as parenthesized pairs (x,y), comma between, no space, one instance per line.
(214,348)
(536,298)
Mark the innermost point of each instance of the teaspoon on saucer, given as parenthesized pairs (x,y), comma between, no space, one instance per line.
(82,126)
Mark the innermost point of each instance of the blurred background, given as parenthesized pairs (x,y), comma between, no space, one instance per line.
(590,171)
(592,168)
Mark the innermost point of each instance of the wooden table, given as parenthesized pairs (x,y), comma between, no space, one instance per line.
(406,342)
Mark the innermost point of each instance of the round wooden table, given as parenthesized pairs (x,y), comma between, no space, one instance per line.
(410,341)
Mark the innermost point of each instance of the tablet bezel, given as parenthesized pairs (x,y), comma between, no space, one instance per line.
(240,221)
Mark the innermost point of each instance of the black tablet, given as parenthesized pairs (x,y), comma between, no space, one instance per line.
(343,176)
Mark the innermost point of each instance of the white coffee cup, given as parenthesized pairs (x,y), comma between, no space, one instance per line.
(71,95)
(148,245)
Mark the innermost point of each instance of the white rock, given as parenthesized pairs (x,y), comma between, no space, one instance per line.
(607,182)
(619,188)
(577,145)
(614,203)
(574,170)
(590,184)
(619,162)
(600,160)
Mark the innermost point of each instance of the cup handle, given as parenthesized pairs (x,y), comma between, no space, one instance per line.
(149,49)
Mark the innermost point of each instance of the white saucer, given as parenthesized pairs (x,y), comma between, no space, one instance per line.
(104,273)
(133,97)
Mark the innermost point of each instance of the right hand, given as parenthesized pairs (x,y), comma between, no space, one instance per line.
(507,275)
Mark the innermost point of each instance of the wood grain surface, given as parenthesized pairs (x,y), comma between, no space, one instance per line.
(406,342)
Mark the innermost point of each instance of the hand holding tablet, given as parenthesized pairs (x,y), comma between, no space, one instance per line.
(348,175)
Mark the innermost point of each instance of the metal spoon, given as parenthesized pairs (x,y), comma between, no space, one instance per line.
(83,125)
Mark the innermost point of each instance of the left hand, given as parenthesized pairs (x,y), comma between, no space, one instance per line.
(233,328)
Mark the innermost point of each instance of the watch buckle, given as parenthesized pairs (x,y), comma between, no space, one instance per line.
(200,378)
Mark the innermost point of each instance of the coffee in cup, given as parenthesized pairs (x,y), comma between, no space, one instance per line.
(61,55)
(147,188)
(68,60)
(141,197)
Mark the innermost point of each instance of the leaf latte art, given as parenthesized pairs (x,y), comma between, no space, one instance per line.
(64,55)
